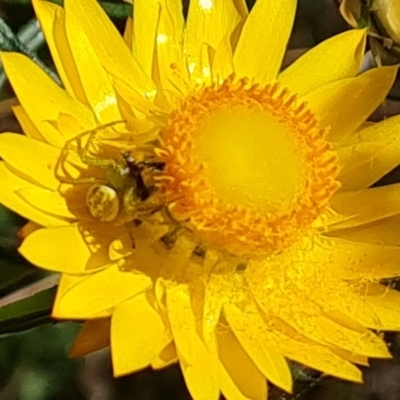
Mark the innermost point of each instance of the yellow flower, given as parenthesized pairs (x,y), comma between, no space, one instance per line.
(202,207)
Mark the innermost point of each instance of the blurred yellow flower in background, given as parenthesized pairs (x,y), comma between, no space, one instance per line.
(202,206)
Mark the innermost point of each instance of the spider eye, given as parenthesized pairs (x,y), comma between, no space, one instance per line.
(103,202)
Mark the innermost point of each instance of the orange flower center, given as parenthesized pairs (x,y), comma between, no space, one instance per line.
(248,168)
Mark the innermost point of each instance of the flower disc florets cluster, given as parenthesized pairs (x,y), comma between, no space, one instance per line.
(250,226)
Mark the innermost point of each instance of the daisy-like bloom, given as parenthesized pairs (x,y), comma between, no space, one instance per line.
(202,206)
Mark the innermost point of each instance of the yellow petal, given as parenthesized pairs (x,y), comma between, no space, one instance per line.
(369,154)
(166,357)
(59,249)
(263,40)
(35,84)
(318,357)
(360,261)
(385,231)
(208,22)
(33,159)
(61,40)
(158,32)
(237,371)
(10,184)
(353,358)
(351,260)
(196,362)
(358,161)
(315,68)
(353,307)
(241,8)
(65,284)
(251,331)
(102,290)
(27,125)
(385,303)
(138,335)
(171,67)
(146,14)
(216,294)
(133,99)
(51,18)
(94,335)
(200,72)
(365,205)
(104,37)
(47,201)
(345,104)
(354,339)
(222,65)
(128,32)
(95,80)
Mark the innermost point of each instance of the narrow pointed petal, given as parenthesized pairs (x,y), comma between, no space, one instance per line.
(353,358)
(210,23)
(128,33)
(345,104)
(35,84)
(198,369)
(241,8)
(222,65)
(213,302)
(169,56)
(362,261)
(366,205)
(369,154)
(27,125)
(385,232)
(167,357)
(46,248)
(315,68)
(138,335)
(94,335)
(352,307)
(240,368)
(102,290)
(231,391)
(10,183)
(118,62)
(60,37)
(357,340)
(158,31)
(263,40)
(31,158)
(51,17)
(95,80)
(146,14)
(385,303)
(318,357)
(252,333)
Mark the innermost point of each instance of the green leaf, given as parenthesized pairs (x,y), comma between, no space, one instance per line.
(27,312)
(16,273)
(10,42)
